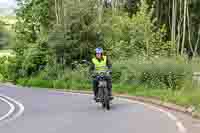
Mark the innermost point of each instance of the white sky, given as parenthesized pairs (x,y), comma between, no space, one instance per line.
(7,3)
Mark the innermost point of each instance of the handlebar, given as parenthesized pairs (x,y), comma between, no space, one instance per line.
(103,73)
(85,62)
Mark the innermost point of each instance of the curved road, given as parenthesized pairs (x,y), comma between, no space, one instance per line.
(51,112)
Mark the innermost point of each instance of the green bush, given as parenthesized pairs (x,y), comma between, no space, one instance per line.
(52,72)
(36,82)
(58,77)
(61,84)
(8,68)
(1,77)
(34,60)
(160,72)
(22,81)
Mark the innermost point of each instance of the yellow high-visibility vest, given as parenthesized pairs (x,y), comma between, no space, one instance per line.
(100,65)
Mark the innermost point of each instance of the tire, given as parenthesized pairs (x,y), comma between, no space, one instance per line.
(103,105)
(101,96)
(106,99)
(108,105)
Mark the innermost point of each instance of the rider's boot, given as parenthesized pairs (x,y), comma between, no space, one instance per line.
(110,96)
(95,90)
(110,90)
(96,99)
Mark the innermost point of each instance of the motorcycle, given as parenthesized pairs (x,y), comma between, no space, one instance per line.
(103,92)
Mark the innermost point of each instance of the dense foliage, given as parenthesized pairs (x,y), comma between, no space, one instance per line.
(64,32)
(149,42)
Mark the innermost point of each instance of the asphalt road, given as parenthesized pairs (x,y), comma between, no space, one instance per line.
(4,107)
(51,112)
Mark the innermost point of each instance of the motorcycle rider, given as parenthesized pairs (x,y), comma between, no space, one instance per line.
(101,63)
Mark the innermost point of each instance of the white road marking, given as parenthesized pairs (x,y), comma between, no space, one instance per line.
(12,108)
(178,123)
(180,126)
(18,114)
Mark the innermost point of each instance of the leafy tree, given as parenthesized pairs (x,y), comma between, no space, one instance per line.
(138,35)
(32,26)
(4,37)
(75,31)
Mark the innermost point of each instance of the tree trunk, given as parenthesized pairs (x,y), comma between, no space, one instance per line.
(56,12)
(174,13)
(179,27)
(158,11)
(184,27)
(189,31)
(100,11)
(174,18)
(197,43)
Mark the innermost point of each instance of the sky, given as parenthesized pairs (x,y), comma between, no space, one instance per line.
(7,6)
(7,3)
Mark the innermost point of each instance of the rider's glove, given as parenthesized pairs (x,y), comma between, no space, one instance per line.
(93,75)
(110,72)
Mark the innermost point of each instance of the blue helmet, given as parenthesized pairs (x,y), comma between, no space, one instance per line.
(98,50)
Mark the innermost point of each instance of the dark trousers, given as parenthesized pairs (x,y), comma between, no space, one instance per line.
(95,85)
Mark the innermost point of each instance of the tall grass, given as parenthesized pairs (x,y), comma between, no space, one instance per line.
(161,72)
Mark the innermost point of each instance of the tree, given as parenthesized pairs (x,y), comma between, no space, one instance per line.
(75,35)
(4,37)
(33,23)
